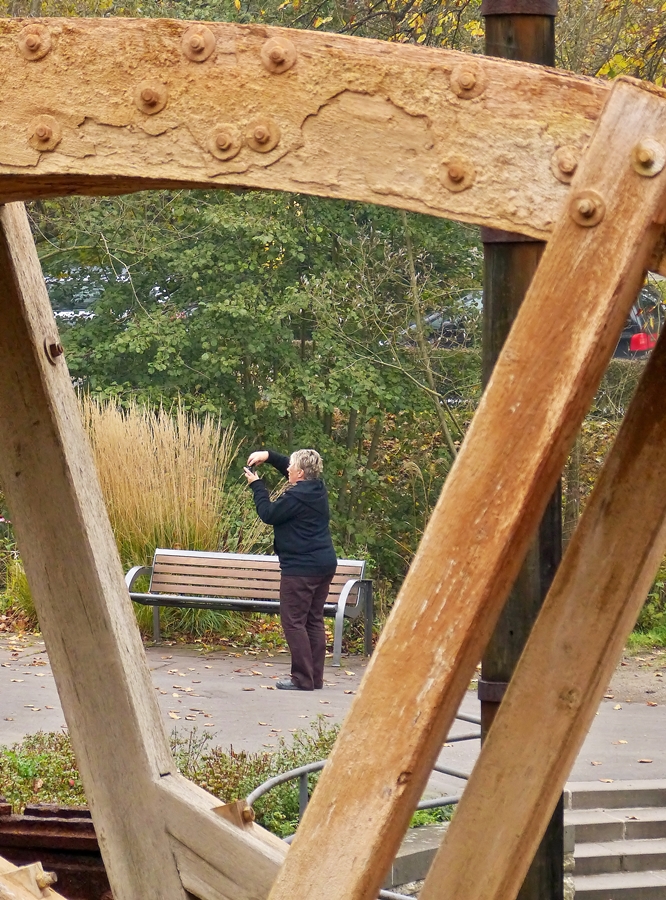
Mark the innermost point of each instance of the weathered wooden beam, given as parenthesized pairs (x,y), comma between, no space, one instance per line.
(26,882)
(103,106)
(496,492)
(217,860)
(67,547)
(568,661)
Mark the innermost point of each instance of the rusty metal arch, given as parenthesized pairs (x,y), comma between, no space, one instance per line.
(111,106)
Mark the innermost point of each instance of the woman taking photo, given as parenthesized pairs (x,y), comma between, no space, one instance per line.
(302,541)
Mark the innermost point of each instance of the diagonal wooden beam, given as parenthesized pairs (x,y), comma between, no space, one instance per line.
(567,663)
(489,507)
(70,557)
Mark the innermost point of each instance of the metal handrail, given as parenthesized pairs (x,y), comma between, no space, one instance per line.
(302,772)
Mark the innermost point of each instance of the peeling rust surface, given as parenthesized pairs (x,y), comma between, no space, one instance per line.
(63,839)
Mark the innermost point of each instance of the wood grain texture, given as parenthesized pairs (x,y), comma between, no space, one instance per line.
(491,503)
(50,482)
(357,118)
(567,663)
(236,864)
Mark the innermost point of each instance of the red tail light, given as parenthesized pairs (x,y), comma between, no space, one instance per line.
(641,342)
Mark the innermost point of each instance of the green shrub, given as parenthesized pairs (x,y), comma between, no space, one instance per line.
(42,769)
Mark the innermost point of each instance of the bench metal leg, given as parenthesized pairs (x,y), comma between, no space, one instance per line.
(157,637)
(337,636)
(369,618)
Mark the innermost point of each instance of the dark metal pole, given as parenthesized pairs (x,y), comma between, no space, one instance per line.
(521,30)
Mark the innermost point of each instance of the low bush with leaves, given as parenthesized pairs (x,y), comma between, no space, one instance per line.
(42,769)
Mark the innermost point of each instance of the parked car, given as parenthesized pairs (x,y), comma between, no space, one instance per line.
(643,325)
(450,328)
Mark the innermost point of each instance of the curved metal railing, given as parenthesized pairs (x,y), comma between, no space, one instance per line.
(302,773)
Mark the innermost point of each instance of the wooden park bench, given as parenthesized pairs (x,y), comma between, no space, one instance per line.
(248,583)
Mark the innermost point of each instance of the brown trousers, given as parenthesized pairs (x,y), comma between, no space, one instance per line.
(302,599)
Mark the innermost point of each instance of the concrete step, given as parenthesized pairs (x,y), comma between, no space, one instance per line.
(619,794)
(620,856)
(600,825)
(622,886)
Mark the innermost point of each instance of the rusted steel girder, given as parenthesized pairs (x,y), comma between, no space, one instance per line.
(63,839)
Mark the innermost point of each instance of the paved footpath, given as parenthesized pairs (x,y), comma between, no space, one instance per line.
(233,696)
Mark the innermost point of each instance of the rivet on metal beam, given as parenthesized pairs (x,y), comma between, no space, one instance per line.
(34,41)
(468,80)
(151,97)
(648,157)
(278,55)
(45,133)
(456,174)
(198,43)
(53,350)
(224,141)
(262,135)
(563,163)
(587,208)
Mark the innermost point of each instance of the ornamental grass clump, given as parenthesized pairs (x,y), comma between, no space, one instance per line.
(165,479)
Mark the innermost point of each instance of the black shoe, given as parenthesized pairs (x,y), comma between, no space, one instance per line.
(286,684)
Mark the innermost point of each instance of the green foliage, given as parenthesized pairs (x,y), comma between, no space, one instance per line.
(42,769)
(17,596)
(289,317)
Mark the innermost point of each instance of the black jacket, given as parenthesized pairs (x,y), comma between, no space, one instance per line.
(300,519)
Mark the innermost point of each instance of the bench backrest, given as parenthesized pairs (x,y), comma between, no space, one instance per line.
(232,575)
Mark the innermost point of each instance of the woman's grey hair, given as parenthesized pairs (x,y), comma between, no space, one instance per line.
(309,462)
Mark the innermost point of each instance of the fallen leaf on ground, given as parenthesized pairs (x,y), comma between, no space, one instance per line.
(350,692)
(173,715)
(263,723)
(347,672)
(303,717)
(17,679)
(606,780)
(617,706)
(248,689)
(645,760)
(619,742)
(167,657)
(651,703)
(596,763)
(9,719)
(609,696)
(269,664)
(48,707)
(324,701)
(208,667)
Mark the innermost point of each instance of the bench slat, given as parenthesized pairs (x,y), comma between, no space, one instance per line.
(187,573)
(240,561)
(228,581)
(243,589)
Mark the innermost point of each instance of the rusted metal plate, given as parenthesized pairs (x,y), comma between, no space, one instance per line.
(63,839)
